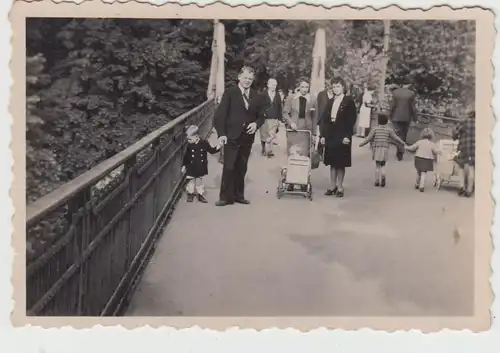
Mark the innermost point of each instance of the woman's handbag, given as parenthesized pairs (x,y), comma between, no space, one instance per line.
(315,160)
(317,157)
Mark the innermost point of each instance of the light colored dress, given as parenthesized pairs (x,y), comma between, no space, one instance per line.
(364,117)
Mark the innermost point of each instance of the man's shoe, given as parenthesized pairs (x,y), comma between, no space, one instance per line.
(223,203)
(242,201)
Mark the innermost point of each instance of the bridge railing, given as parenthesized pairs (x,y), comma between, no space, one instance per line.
(92,237)
(441,125)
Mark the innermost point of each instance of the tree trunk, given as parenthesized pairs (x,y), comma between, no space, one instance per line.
(383,62)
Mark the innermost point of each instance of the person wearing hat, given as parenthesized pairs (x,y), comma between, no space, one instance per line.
(195,163)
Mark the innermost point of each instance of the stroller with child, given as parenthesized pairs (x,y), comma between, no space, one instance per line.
(446,169)
(295,177)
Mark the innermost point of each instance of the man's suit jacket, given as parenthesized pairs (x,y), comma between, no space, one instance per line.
(403,105)
(232,118)
(291,111)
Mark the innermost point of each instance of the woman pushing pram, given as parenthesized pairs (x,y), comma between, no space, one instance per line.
(299,116)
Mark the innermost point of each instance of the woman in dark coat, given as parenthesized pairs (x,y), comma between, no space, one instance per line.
(336,125)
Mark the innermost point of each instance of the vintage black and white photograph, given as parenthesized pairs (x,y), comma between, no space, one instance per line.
(250,168)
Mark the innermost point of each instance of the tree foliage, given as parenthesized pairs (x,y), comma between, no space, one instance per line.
(107,83)
(95,86)
(436,56)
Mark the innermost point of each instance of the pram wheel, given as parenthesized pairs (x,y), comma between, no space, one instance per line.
(309,192)
(279,189)
(438,182)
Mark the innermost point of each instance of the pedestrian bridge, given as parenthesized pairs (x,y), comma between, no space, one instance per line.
(123,241)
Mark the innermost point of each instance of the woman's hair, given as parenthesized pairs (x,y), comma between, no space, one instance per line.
(370,87)
(191,130)
(427,134)
(382,119)
(338,80)
(302,80)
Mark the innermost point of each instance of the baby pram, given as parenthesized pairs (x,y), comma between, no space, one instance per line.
(446,170)
(297,172)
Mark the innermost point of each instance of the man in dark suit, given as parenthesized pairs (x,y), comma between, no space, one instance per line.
(273,106)
(236,119)
(402,114)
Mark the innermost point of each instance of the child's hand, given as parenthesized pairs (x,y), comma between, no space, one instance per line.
(183,169)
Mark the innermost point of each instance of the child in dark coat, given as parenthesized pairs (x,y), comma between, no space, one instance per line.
(195,163)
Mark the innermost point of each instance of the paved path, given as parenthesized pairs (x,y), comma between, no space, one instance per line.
(374,252)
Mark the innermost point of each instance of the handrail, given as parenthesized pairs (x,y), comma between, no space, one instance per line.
(37,209)
(432,116)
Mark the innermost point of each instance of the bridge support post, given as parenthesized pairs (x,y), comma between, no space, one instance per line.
(318,66)
(383,62)
(317,83)
(216,82)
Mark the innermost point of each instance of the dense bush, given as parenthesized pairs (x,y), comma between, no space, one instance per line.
(95,86)
(106,83)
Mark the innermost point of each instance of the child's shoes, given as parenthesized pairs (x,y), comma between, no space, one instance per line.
(382,183)
(202,199)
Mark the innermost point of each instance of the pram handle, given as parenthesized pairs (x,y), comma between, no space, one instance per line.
(291,130)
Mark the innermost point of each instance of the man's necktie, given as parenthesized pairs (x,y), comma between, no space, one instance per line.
(246,99)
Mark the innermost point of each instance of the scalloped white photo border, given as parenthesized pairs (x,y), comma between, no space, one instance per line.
(28,339)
